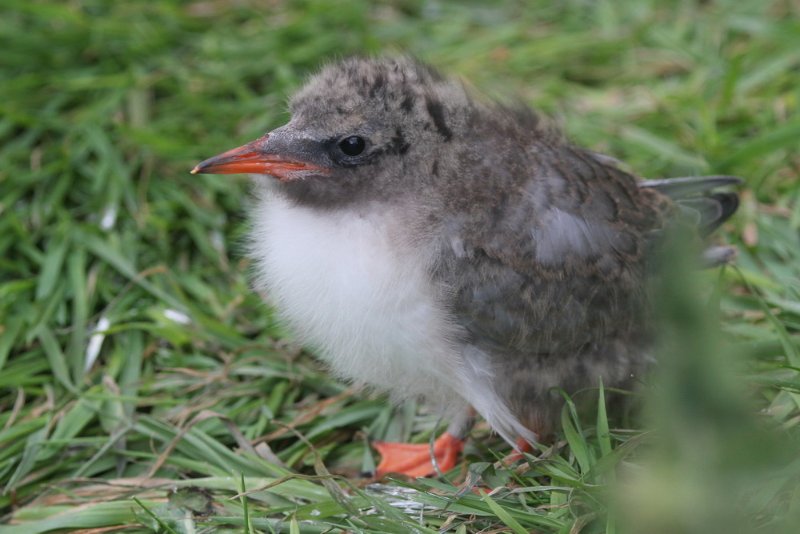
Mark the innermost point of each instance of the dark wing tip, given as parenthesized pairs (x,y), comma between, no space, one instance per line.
(728,203)
(696,194)
(689,185)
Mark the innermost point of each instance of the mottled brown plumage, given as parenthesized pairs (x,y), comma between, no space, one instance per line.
(508,263)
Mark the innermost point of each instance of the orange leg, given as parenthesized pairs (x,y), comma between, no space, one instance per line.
(414,460)
(516,454)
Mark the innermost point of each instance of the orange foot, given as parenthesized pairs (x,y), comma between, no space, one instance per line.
(414,460)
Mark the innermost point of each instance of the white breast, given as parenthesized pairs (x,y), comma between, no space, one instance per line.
(351,287)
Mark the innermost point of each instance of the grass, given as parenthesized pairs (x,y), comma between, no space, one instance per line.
(145,388)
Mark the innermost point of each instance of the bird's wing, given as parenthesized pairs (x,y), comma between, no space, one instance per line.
(697,198)
(562,263)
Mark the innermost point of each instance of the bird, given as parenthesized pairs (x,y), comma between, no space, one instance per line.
(426,241)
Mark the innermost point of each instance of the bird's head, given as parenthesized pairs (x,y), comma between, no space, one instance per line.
(359,128)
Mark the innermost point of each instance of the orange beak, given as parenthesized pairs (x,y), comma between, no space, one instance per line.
(251,158)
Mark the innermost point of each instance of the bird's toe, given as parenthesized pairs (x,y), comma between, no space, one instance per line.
(415,459)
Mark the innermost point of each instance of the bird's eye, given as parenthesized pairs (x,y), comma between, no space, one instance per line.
(353,145)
